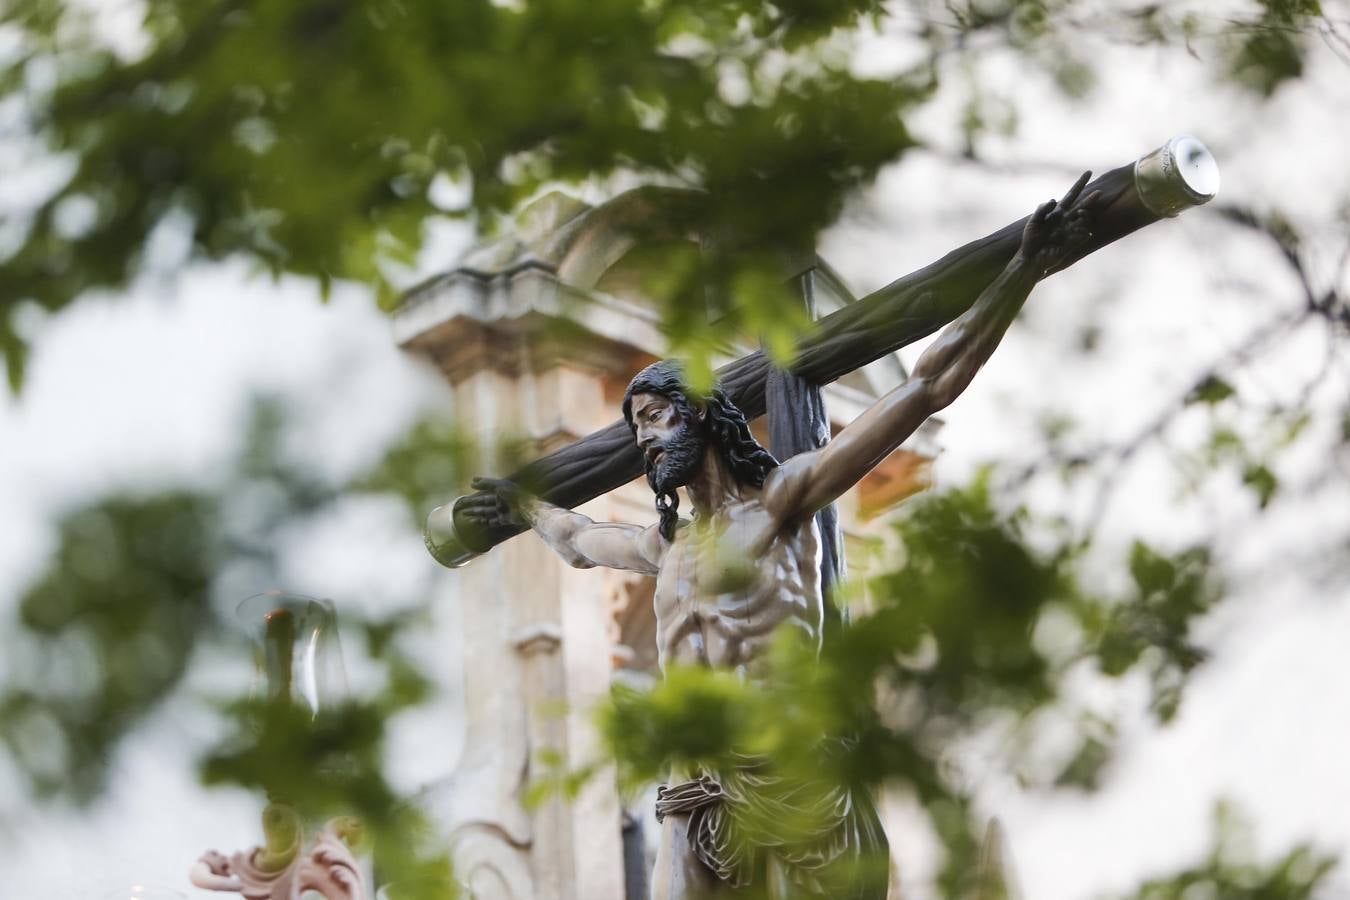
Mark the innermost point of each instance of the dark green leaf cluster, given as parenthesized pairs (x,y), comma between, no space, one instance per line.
(1269,50)
(323,138)
(109,631)
(319,138)
(965,601)
(1170,593)
(1212,389)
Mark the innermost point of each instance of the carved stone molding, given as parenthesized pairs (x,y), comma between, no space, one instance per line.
(489,866)
(281,870)
(534,639)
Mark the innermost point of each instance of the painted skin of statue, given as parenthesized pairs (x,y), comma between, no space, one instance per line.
(748,563)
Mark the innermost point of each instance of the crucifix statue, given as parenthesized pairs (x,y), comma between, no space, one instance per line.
(748,563)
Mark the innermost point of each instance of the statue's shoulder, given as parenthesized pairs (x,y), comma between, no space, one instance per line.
(787,480)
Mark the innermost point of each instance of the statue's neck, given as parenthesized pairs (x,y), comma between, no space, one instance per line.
(715,486)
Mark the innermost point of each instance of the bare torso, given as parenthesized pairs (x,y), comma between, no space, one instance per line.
(727,583)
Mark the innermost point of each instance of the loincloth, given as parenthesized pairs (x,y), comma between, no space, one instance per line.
(825,838)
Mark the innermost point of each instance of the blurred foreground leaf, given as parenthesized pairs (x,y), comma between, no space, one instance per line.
(112,625)
(1231,873)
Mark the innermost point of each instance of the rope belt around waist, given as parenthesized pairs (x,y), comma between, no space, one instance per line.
(741,819)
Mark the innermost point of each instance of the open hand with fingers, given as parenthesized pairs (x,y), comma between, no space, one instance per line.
(498,503)
(1058,228)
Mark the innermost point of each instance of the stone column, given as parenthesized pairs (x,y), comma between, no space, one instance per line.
(537,648)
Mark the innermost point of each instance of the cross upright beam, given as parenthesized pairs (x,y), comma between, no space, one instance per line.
(1159,185)
(798,423)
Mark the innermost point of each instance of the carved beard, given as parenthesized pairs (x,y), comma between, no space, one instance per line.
(683,457)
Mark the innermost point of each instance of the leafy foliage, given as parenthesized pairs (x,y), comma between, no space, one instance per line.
(950,647)
(1271,53)
(327,138)
(331,764)
(109,630)
(1229,871)
(320,138)
(111,627)
(324,138)
(1169,594)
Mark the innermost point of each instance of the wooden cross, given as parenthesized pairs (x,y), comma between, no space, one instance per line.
(795,408)
(1159,185)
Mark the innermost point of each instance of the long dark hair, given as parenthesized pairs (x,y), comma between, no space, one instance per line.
(723,424)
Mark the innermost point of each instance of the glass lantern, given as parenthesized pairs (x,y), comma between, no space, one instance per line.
(296,652)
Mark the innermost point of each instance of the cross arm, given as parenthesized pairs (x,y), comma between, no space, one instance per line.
(1179,175)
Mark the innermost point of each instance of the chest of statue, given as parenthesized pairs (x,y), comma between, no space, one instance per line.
(722,563)
(727,584)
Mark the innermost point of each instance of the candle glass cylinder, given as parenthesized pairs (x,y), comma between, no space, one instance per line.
(296,651)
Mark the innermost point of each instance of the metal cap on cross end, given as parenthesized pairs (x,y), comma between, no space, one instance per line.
(1178,175)
(444,542)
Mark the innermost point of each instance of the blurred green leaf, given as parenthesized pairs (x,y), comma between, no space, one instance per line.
(1084,770)
(1211,390)
(1270,50)
(111,628)
(308,136)
(424,467)
(1231,874)
(1153,626)
(1262,482)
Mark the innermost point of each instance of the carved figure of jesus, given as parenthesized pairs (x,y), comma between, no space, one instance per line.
(747,565)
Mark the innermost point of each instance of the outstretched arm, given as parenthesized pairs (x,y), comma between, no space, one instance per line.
(805,483)
(576,538)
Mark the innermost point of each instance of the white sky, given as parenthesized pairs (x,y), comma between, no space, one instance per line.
(151,388)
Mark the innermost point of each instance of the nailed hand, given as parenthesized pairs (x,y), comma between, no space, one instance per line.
(1059,228)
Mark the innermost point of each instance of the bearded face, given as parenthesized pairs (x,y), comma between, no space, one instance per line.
(671,440)
(675,462)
